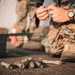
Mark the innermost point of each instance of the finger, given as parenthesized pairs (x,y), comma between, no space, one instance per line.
(51,7)
(45,17)
(41,9)
(51,12)
(43,14)
(55,16)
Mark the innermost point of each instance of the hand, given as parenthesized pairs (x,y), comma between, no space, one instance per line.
(42,13)
(58,14)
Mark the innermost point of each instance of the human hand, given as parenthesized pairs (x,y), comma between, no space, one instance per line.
(42,13)
(58,14)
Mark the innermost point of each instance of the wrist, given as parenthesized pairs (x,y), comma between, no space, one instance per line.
(66,18)
(71,15)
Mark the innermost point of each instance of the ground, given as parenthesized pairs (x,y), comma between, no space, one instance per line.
(16,54)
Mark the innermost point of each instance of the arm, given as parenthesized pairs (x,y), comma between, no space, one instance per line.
(58,13)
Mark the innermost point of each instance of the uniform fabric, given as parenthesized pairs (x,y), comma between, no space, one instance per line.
(24,8)
(60,33)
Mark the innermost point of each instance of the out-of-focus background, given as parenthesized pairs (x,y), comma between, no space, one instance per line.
(8,13)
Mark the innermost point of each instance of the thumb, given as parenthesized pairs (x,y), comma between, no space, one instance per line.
(51,7)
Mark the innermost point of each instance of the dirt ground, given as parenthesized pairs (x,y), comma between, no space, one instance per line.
(16,54)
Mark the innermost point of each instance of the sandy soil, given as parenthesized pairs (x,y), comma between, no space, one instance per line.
(16,54)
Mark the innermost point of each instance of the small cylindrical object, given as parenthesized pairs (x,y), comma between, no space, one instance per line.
(30,58)
(20,65)
(24,60)
(6,65)
(31,64)
(38,64)
(26,64)
(52,62)
(40,59)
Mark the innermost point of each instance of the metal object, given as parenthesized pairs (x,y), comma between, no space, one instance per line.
(52,62)
(28,62)
(39,65)
(24,60)
(20,65)
(9,66)
(31,64)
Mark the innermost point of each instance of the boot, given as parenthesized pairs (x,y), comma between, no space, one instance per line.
(69,53)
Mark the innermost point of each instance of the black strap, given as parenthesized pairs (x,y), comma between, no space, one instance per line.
(21,34)
(59,3)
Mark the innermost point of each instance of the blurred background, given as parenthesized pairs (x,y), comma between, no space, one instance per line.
(8,14)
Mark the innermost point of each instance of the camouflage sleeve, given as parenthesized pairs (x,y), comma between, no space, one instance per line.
(39,3)
(36,3)
(72,4)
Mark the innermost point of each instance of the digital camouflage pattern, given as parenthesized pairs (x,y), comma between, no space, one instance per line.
(32,6)
(21,15)
(21,20)
(23,8)
(56,1)
(60,33)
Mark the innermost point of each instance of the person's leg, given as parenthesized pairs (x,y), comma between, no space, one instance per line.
(68,53)
(53,42)
(21,21)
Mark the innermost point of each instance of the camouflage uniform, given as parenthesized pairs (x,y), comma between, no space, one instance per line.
(32,6)
(61,35)
(23,8)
